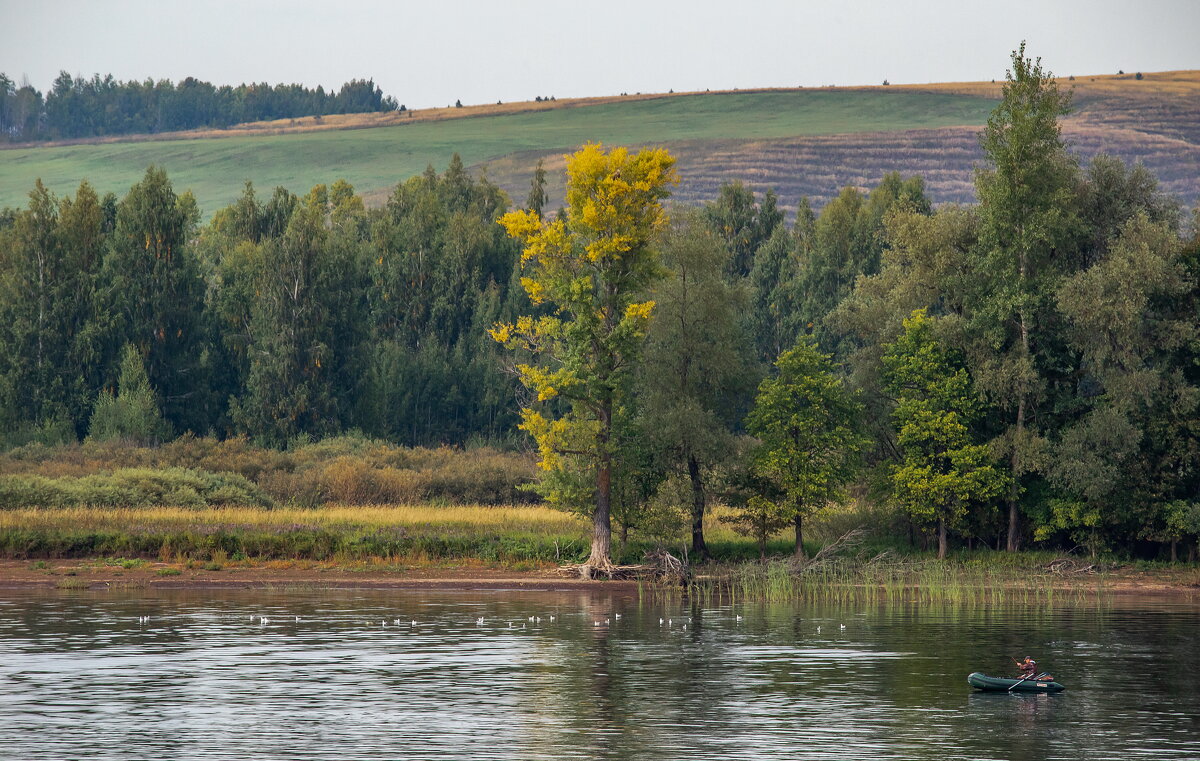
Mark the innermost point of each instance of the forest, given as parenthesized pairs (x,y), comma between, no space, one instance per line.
(1020,371)
(79,107)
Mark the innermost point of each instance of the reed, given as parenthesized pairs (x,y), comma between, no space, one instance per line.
(911,580)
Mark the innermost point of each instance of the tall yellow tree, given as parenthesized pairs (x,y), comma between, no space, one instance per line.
(591,269)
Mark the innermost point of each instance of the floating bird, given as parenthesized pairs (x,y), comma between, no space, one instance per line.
(262,621)
(842,626)
(818,630)
(739,619)
(297,619)
(551,619)
(617,616)
(660,622)
(479,621)
(412,623)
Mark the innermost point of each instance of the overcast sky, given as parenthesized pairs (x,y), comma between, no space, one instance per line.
(432,52)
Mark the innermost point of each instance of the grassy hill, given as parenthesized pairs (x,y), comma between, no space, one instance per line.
(810,141)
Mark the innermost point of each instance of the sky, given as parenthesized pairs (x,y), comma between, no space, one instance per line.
(433,52)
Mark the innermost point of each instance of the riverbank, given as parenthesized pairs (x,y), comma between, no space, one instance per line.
(126,573)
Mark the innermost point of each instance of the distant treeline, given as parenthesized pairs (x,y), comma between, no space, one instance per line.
(78,107)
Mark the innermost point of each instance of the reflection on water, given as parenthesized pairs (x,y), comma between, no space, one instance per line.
(444,675)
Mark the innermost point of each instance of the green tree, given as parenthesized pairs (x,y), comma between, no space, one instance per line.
(306,326)
(151,294)
(132,414)
(807,420)
(847,242)
(942,473)
(47,280)
(742,223)
(1128,457)
(1027,221)
(696,365)
(537,190)
(592,269)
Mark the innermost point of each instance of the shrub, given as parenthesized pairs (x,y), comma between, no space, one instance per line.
(131,487)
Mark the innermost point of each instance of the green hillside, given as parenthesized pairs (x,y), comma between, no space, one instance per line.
(376,159)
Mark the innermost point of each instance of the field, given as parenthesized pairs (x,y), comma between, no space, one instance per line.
(809,142)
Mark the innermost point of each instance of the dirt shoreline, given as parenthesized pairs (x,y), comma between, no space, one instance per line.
(101,574)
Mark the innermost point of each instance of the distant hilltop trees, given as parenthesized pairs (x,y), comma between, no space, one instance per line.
(78,107)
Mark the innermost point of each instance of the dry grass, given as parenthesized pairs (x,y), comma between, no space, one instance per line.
(417,518)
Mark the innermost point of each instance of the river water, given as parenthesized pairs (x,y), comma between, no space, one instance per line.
(555,675)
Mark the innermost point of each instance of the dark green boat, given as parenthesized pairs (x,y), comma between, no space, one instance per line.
(1000,684)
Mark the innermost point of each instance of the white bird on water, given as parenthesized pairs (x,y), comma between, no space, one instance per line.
(479,621)
(818,630)
(739,619)
(842,626)
(262,621)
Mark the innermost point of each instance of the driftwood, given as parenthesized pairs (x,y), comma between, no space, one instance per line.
(846,542)
(1071,567)
(660,566)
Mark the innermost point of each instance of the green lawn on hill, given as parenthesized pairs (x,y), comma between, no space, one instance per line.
(370,159)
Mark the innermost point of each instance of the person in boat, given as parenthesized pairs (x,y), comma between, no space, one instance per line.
(1028,668)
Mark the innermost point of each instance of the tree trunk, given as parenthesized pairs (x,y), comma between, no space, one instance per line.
(601,558)
(600,561)
(800,554)
(1174,551)
(1013,526)
(941,539)
(699,547)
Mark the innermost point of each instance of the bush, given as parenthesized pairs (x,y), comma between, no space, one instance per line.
(132,487)
(350,469)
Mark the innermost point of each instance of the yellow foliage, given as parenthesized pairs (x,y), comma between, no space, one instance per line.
(640,311)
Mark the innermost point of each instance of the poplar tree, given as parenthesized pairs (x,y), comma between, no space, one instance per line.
(1027,218)
(592,269)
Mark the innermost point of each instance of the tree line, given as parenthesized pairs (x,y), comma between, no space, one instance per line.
(1026,369)
(81,107)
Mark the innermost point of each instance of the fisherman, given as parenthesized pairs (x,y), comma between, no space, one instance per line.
(1028,668)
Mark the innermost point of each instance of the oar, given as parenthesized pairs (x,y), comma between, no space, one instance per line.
(1024,679)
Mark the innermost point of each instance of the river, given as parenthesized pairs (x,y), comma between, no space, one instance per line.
(304,674)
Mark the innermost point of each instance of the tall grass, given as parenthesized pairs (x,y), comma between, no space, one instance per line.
(335,533)
(348,469)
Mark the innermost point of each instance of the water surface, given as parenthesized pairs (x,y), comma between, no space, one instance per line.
(541,675)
